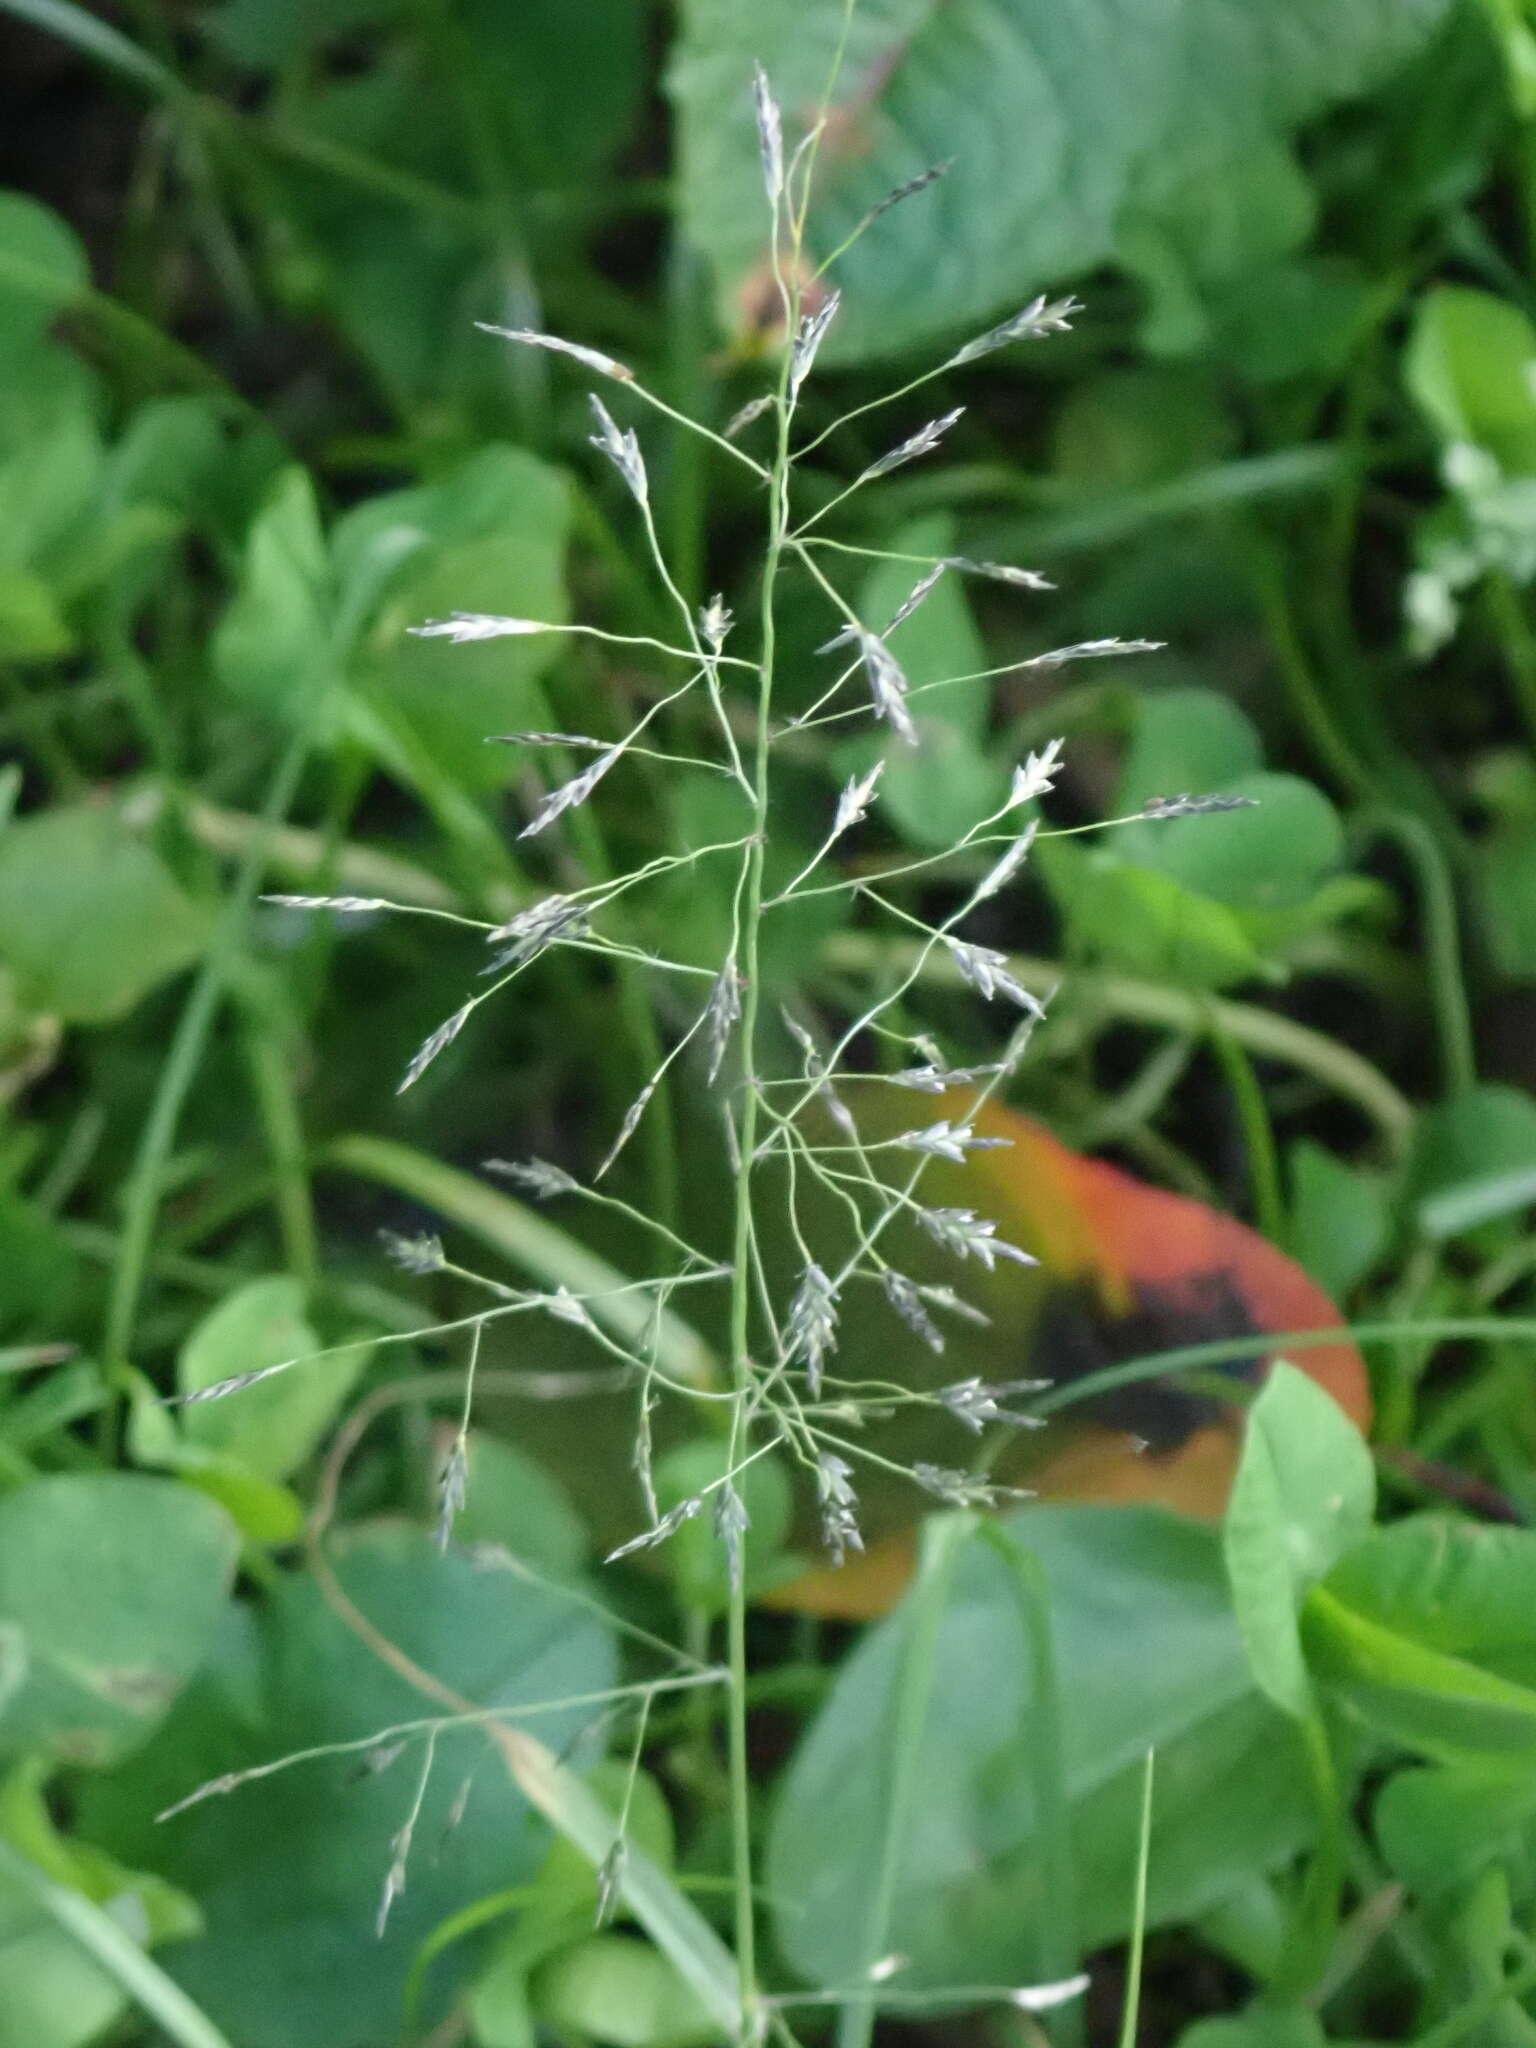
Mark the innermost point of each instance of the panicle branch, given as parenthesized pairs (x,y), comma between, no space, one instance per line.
(828,1225)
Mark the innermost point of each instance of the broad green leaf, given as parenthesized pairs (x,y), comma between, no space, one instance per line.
(389,289)
(119,550)
(613,1989)
(1504,780)
(59,1896)
(289,1871)
(673,1923)
(393,269)
(1062,117)
(1506,878)
(1188,237)
(1486,1134)
(1261,2026)
(116,1583)
(32,626)
(1459,1586)
(1125,429)
(261,1509)
(562,1902)
(47,386)
(1147,923)
(1438,1827)
(153,1910)
(1341,902)
(38,1266)
(513,1501)
(1511,24)
(1148,1656)
(48,485)
(1249,1926)
(55,1995)
(90,917)
(1292,319)
(51,1403)
(1304,1492)
(500,2014)
(272,1427)
(1412,1696)
(271,35)
(564,84)
(491,538)
(13,1662)
(559,1906)
(273,649)
(1482,1933)
(166,456)
(935,790)
(1469,365)
(1271,858)
(43,269)
(94,1932)
(1339,1218)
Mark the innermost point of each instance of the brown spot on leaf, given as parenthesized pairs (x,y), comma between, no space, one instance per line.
(141,1690)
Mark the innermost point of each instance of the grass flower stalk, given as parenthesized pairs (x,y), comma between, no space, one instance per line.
(843,1198)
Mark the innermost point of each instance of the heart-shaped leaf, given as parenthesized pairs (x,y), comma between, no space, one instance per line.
(115,1584)
(1062,121)
(1147,1655)
(1304,1493)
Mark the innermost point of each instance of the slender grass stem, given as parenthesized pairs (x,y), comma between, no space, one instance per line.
(277,1106)
(1308,701)
(742,1280)
(1258,1134)
(142,1200)
(1277,1343)
(1442,943)
(1518,644)
(1130,2012)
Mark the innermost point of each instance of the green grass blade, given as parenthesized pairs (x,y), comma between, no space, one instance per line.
(141,1201)
(140,1976)
(676,1926)
(1281,1343)
(97,40)
(539,1248)
(943,1539)
(1479,2010)
(1130,2010)
(1057,1958)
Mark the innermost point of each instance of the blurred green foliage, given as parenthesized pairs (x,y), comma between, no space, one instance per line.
(249,434)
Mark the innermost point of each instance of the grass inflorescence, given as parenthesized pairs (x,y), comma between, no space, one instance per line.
(791,1085)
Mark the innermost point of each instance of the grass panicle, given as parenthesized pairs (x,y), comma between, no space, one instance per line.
(789,1133)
